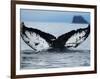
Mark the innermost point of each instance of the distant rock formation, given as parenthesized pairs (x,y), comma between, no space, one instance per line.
(79,19)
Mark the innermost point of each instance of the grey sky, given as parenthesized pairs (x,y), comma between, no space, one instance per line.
(51,16)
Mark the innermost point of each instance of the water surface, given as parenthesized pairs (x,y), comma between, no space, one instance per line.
(54,59)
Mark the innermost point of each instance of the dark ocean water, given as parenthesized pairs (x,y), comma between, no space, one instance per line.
(54,59)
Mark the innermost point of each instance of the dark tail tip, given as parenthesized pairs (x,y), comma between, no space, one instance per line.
(22,26)
(89,26)
(22,23)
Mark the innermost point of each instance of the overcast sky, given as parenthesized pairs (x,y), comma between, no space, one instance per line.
(51,16)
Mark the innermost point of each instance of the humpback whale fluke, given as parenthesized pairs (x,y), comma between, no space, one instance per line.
(39,40)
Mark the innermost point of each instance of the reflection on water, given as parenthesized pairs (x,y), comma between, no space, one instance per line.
(54,59)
